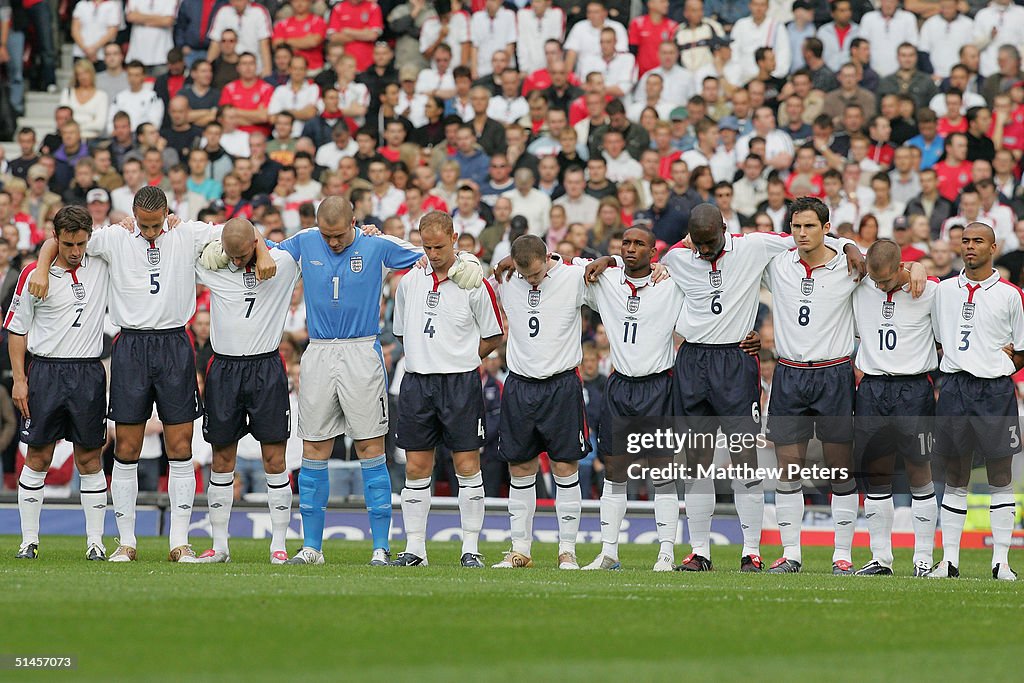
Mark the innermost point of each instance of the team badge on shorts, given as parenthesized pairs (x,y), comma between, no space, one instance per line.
(356,264)
(78,289)
(534,298)
(715,276)
(888,309)
(633,304)
(807,286)
(249,280)
(153,255)
(433,298)
(968,311)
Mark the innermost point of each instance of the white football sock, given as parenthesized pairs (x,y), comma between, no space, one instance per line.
(1002,509)
(700,506)
(613,511)
(181,490)
(471,511)
(30,503)
(93,491)
(124,491)
(879,512)
(954,514)
(749,497)
(219,497)
(568,507)
(666,516)
(522,504)
(415,508)
(789,514)
(279,499)
(844,518)
(924,510)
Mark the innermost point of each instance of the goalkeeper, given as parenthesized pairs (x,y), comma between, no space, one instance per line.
(342,384)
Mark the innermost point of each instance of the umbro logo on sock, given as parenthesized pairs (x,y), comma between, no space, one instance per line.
(98,507)
(568,518)
(744,526)
(661,524)
(216,505)
(604,523)
(415,500)
(476,498)
(184,507)
(119,514)
(281,507)
(844,523)
(783,523)
(922,519)
(869,516)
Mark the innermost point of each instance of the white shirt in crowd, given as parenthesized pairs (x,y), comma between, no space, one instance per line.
(330,155)
(142,107)
(489,35)
(585,41)
(885,36)
(532,32)
(748,36)
(458,34)
(95,19)
(252,26)
(1008,22)
(150,44)
(286,98)
(942,41)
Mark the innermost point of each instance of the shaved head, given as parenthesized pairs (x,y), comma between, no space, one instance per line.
(883,257)
(334,212)
(239,241)
(706,217)
(987,229)
(707,231)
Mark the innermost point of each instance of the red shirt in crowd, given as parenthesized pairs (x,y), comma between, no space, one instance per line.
(292,27)
(952,179)
(357,15)
(648,37)
(249,98)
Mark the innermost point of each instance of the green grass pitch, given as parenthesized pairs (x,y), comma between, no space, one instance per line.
(345,621)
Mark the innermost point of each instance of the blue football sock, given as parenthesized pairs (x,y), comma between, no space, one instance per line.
(377,492)
(314,490)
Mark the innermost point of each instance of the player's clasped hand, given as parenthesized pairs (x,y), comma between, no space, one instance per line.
(751,344)
(467,272)
(213,256)
(855,263)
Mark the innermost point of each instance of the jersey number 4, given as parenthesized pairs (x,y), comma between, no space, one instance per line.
(429,328)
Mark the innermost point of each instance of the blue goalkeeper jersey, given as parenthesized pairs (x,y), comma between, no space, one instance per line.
(342,291)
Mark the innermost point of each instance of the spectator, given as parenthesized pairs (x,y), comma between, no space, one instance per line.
(837,35)
(202,97)
(666,220)
(385,198)
(447,28)
(181,201)
(251,25)
(943,34)
(27,143)
(907,79)
(904,178)
(220,161)
(298,97)
(959,80)
(225,64)
(999,24)
(200,180)
(356,24)
(887,29)
(860,57)
(1008,73)
(954,172)
(304,33)
(181,135)
(755,31)
(138,101)
(113,79)
(94,24)
(536,26)
(84,180)
(618,68)
(466,216)
(170,83)
(191,28)
(509,106)
(249,95)
(584,39)
(979,144)
(438,80)
(694,36)
(88,103)
(122,198)
(529,202)
(71,150)
(884,209)
(341,145)
(491,29)
(152,34)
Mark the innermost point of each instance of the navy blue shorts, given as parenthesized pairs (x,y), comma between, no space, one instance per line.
(247,395)
(540,416)
(442,408)
(717,386)
(813,401)
(980,418)
(895,415)
(154,365)
(649,396)
(67,399)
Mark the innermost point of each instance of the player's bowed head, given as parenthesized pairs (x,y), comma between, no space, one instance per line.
(885,266)
(239,242)
(439,239)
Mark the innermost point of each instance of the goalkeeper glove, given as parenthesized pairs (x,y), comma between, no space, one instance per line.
(467,272)
(213,256)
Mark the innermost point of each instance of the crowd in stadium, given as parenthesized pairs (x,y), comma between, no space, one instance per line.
(568,120)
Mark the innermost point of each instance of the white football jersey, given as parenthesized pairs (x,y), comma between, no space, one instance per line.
(639,318)
(152,284)
(247,315)
(974,321)
(69,322)
(722,295)
(812,309)
(545,325)
(895,329)
(441,325)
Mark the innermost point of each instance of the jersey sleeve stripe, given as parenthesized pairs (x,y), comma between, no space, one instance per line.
(494,304)
(17,292)
(1003,280)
